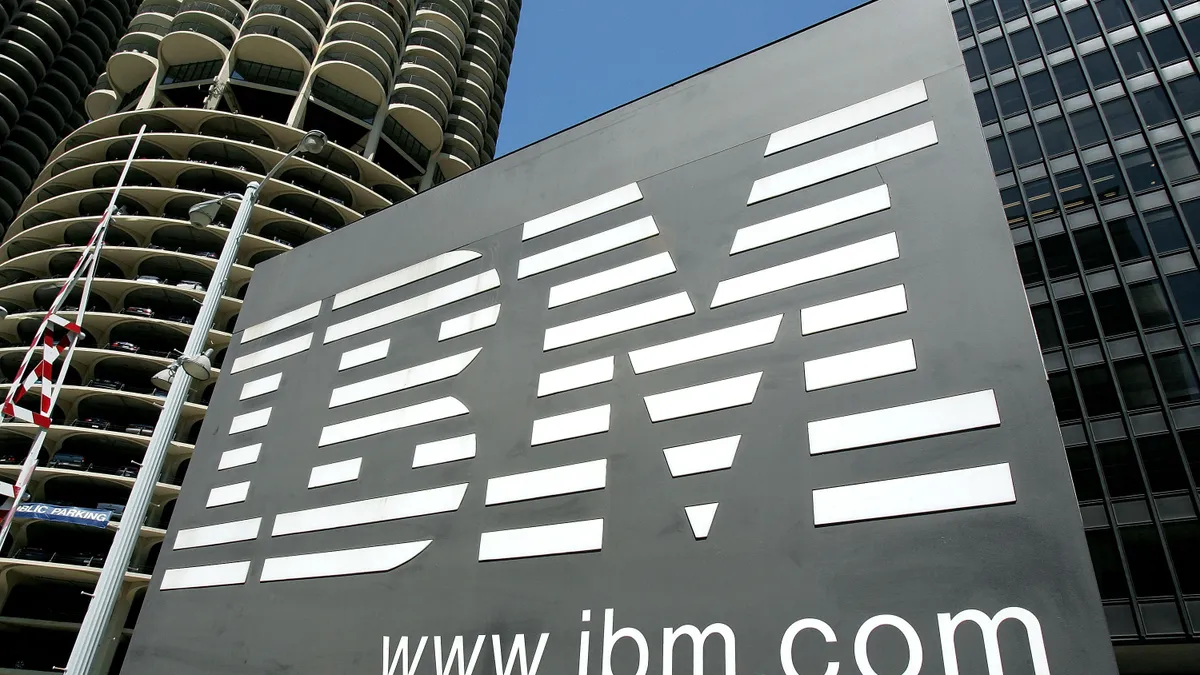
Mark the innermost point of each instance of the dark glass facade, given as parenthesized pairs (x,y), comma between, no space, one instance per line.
(1091,112)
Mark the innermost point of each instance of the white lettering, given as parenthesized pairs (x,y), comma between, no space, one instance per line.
(698,639)
(990,628)
(915,653)
(518,648)
(401,649)
(789,636)
(455,656)
(610,641)
(585,644)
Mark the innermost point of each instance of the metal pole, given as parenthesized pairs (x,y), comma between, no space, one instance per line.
(108,587)
(93,250)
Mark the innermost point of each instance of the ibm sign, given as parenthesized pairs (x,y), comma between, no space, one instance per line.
(737,378)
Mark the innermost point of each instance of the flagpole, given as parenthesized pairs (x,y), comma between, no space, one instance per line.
(88,260)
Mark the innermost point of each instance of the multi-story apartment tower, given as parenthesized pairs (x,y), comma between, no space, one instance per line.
(1092,115)
(409,92)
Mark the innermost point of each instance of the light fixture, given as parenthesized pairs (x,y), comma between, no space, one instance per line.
(313,141)
(162,379)
(200,367)
(204,213)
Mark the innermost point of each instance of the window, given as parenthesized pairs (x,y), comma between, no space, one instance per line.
(1099,394)
(1025,45)
(1143,171)
(1191,216)
(1056,137)
(1167,46)
(1185,288)
(1040,197)
(1040,88)
(1119,113)
(985,16)
(1011,9)
(1191,33)
(1134,58)
(1112,13)
(1043,323)
(1191,450)
(962,23)
(998,149)
(974,63)
(1093,249)
(1087,126)
(1027,260)
(1025,146)
(1137,386)
(1183,540)
(1106,561)
(1116,316)
(1144,8)
(986,107)
(1073,189)
(1187,94)
(1014,208)
(995,53)
(1165,230)
(1120,467)
(1069,77)
(1128,239)
(1035,5)
(1083,24)
(1084,474)
(1178,377)
(1151,304)
(1060,258)
(1163,462)
(192,72)
(1066,403)
(1077,320)
(1106,179)
(1155,106)
(1147,561)
(1054,34)
(1177,161)
(262,73)
(1010,98)
(1101,68)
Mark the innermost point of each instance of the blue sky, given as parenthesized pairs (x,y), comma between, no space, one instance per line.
(578,58)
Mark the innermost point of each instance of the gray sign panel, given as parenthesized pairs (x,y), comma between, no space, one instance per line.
(738,378)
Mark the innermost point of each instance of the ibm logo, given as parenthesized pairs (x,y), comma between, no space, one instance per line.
(833,505)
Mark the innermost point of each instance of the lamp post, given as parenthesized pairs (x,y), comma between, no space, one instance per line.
(195,362)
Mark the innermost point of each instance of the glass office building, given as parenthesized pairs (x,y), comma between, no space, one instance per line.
(1091,112)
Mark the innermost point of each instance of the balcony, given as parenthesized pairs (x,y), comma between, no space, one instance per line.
(292,13)
(248,50)
(212,9)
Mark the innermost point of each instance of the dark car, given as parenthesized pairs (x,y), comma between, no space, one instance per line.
(67,460)
(180,318)
(99,383)
(11,458)
(91,423)
(140,429)
(122,346)
(117,510)
(139,311)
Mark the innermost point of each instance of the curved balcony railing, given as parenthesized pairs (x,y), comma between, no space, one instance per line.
(346,33)
(404,140)
(466,131)
(318,7)
(432,64)
(370,20)
(204,29)
(451,44)
(455,151)
(358,60)
(148,27)
(283,34)
(419,103)
(138,43)
(168,8)
(449,9)
(213,8)
(102,82)
(470,113)
(290,13)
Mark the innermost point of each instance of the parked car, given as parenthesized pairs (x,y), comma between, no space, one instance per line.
(139,311)
(99,383)
(11,458)
(92,423)
(149,279)
(122,346)
(67,460)
(207,254)
(140,429)
(180,318)
(117,509)
(158,393)
(128,471)
(190,285)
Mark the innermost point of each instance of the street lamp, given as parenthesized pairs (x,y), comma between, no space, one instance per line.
(194,363)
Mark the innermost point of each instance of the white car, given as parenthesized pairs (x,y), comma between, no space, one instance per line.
(148,279)
(191,285)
